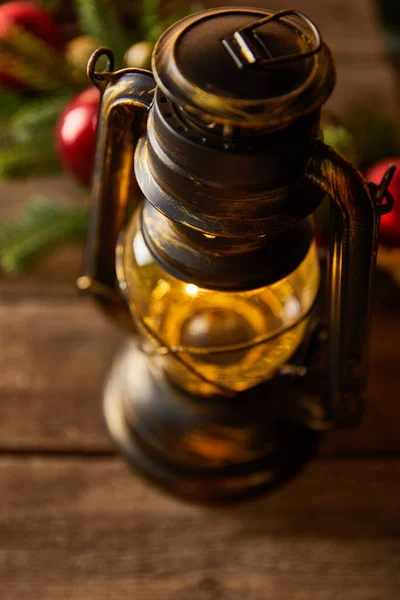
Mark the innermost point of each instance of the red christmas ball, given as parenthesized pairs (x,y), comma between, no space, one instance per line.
(390,223)
(75,136)
(33,19)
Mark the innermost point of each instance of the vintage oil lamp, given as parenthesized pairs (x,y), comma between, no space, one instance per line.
(233,368)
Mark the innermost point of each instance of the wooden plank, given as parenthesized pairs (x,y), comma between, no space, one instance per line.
(54,359)
(379,431)
(56,353)
(56,275)
(88,529)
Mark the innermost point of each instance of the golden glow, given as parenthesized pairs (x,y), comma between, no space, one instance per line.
(162,288)
(207,341)
(191,289)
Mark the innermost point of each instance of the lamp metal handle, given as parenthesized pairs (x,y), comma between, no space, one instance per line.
(127,95)
(356,208)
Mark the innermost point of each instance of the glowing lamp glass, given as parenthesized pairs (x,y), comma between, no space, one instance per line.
(208,341)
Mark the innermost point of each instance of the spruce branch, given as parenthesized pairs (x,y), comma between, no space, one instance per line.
(38,230)
(6,137)
(150,20)
(32,61)
(32,158)
(99,18)
(376,133)
(9,103)
(157,16)
(35,116)
(50,5)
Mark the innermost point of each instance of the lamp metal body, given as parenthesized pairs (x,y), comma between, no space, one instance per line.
(233,369)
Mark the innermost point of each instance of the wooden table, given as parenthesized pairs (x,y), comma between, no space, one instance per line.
(76,524)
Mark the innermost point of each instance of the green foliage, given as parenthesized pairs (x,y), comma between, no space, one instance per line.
(27,119)
(6,138)
(31,158)
(376,134)
(40,113)
(33,62)
(27,134)
(365,135)
(10,102)
(38,230)
(99,18)
(341,140)
(150,20)
(157,16)
(50,5)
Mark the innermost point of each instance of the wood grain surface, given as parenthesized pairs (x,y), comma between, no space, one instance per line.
(82,529)
(57,350)
(76,523)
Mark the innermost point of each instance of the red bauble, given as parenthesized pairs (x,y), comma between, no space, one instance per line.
(76,134)
(390,223)
(33,19)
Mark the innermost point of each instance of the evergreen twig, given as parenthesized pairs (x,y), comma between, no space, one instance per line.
(376,133)
(32,61)
(39,229)
(32,158)
(6,137)
(150,21)
(10,102)
(50,5)
(36,115)
(99,18)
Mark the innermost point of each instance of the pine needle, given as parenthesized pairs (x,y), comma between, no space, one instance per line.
(32,61)
(50,5)
(30,120)
(9,103)
(150,20)
(6,137)
(38,230)
(99,18)
(376,133)
(33,158)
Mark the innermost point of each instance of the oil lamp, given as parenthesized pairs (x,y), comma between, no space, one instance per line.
(235,364)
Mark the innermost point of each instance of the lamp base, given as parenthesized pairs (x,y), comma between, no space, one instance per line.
(204,450)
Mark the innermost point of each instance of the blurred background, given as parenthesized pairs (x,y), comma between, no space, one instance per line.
(48,110)
(71,515)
